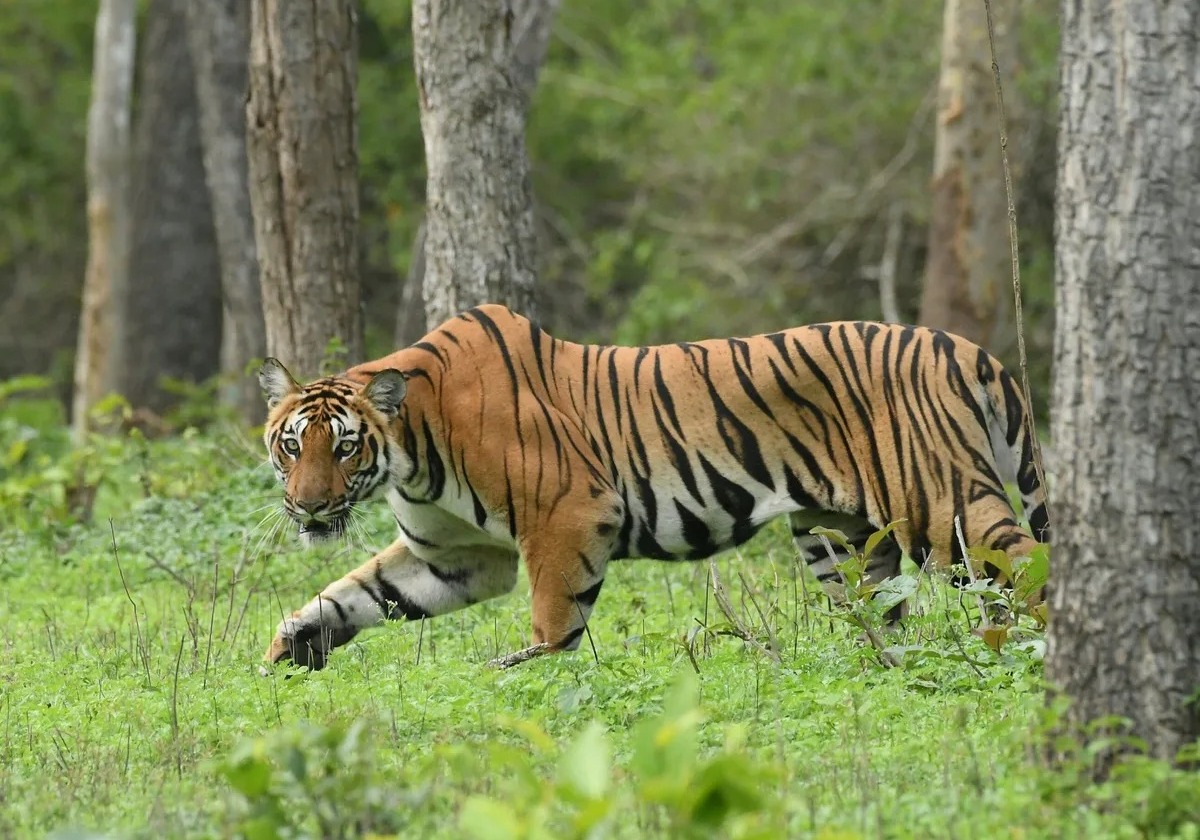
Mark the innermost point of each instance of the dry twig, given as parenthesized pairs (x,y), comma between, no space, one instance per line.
(1016,262)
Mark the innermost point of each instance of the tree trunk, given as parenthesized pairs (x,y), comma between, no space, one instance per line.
(303,149)
(532,20)
(169,308)
(108,200)
(967,276)
(410,315)
(219,38)
(472,61)
(1125,634)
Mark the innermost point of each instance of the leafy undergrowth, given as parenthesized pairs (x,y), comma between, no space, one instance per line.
(131,703)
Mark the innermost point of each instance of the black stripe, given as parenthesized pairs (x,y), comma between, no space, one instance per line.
(1006,522)
(508,500)
(449,576)
(571,638)
(433,464)
(402,604)
(588,596)
(587,564)
(614,384)
(535,339)
(413,537)
(1039,523)
(497,337)
(743,377)
(338,608)
(696,532)
(637,366)
(857,393)
(432,350)
(664,396)
(476,503)
(737,437)
(679,456)
(796,491)
(780,341)
(734,499)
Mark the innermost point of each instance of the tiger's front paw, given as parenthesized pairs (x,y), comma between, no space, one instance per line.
(305,643)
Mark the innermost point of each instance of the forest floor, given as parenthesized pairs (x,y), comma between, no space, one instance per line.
(131,703)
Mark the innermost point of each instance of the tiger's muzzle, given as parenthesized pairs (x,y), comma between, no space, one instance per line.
(318,521)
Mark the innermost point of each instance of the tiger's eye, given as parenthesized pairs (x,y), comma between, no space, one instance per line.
(346,448)
(291,446)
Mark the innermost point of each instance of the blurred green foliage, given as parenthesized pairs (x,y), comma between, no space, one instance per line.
(702,167)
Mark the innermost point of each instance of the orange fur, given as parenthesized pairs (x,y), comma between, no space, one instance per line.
(508,441)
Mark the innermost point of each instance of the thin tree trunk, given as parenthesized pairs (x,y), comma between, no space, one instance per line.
(532,22)
(168,321)
(410,315)
(1125,634)
(967,288)
(303,150)
(108,200)
(219,37)
(476,68)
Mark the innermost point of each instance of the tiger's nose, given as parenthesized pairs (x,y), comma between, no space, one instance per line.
(310,506)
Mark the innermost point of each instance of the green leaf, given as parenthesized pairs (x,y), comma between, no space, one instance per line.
(586,764)
(683,696)
(487,819)
(26,384)
(980,557)
(993,637)
(295,761)
(729,784)
(1031,573)
(537,737)
(834,535)
(590,816)
(261,828)
(876,538)
(893,591)
(251,777)
(836,591)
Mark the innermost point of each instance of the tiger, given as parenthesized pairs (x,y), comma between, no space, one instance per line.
(494,441)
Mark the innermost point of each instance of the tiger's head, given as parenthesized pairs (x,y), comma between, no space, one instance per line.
(329,444)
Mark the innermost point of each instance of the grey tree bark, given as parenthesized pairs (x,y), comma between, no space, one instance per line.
(303,150)
(967,287)
(108,200)
(168,320)
(1125,632)
(410,315)
(477,63)
(219,38)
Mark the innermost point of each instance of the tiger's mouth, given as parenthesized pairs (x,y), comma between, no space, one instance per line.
(315,531)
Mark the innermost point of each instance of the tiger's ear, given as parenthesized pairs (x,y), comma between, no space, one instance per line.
(276,382)
(386,391)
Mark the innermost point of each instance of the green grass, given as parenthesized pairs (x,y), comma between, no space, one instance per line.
(131,703)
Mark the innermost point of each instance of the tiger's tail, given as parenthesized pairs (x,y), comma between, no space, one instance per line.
(1010,429)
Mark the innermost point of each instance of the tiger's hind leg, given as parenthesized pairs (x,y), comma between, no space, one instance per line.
(393,584)
(883,563)
(991,522)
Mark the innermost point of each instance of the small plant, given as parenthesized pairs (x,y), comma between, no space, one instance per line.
(859,600)
(999,614)
(307,780)
(675,789)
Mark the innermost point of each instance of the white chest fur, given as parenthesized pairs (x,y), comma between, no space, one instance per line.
(443,525)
